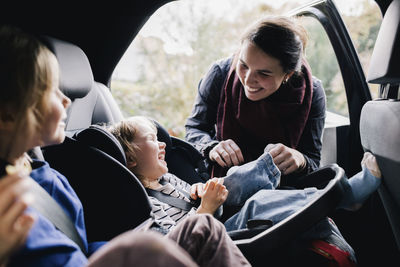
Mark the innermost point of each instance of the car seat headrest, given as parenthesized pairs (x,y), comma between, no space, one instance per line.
(385,63)
(76,77)
(98,137)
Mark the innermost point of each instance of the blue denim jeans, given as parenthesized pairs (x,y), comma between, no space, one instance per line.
(274,205)
(253,185)
(244,181)
(358,188)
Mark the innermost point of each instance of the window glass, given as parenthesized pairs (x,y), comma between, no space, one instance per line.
(160,71)
(362,19)
(324,65)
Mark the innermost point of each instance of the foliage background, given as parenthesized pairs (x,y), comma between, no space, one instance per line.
(159,73)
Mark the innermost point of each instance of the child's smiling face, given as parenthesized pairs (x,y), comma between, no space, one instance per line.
(150,162)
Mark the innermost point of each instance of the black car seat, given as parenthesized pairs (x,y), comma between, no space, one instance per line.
(380,118)
(183,159)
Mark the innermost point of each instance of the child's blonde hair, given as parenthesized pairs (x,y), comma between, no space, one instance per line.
(126,131)
(25,78)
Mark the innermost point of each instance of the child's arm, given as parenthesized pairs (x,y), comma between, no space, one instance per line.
(214,196)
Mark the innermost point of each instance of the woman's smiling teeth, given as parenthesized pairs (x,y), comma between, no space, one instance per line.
(252,90)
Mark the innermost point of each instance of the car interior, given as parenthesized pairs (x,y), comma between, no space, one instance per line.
(92,152)
(115,201)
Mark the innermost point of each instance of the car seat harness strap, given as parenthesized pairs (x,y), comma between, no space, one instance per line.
(173,201)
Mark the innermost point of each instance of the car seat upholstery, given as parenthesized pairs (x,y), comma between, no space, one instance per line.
(380,118)
(183,159)
(113,199)
(91,102)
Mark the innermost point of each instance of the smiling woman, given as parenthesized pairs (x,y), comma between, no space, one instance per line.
(267,83)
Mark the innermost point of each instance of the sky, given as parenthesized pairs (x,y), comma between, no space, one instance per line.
(220,8)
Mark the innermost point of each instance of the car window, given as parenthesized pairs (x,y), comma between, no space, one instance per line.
(363,21)
(160,71)
(324,65)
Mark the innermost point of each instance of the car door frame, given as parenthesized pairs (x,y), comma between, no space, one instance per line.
(348,149)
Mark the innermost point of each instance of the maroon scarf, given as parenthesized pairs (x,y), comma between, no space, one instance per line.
(279,118)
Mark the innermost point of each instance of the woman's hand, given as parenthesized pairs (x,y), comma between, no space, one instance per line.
(14,223)
(287,159)
(227,153)
(369,161)
(214,196)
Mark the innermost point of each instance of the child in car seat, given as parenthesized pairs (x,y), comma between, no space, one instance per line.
(32,113)
(248,185)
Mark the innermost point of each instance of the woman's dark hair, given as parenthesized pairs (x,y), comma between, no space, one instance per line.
(280,37)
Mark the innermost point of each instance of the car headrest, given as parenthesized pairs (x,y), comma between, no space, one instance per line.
(385,61)
(76,77)
(99,138)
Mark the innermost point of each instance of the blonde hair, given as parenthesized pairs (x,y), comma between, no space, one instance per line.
(25,78)
(126,131)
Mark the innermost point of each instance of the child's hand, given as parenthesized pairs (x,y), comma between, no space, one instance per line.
(197,189)
(369,161)
(14,222)
(214,195)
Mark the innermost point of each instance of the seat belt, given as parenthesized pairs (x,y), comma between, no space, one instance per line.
(50,209)
(173,201)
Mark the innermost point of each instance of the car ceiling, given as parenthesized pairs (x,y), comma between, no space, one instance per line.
(103,32)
